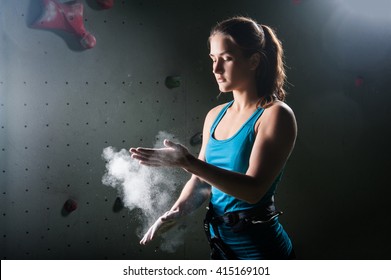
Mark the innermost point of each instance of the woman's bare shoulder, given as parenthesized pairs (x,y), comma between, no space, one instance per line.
(278,112)
(279,109)
(212,114)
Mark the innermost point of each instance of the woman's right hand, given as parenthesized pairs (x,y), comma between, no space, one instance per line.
(162,224)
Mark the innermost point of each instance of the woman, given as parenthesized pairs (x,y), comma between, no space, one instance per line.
(246,144)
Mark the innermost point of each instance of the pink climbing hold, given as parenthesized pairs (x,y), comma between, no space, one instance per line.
(106,4)
(66,17)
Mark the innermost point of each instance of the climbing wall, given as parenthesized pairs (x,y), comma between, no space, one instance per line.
(145,69)
(62,104)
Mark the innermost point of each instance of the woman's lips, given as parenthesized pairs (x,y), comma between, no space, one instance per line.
(220,80)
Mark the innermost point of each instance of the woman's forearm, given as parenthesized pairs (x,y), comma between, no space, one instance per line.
(241,186)
(194,194)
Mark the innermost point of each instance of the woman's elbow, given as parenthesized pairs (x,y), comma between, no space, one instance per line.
(260,189)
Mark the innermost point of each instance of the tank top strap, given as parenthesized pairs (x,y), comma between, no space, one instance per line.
(220,116)
(254,118)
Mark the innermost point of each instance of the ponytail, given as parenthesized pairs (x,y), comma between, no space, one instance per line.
(271,73)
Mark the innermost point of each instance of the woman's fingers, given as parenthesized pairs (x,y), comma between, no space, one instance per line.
(150,233)
(143,152)
(152,159)
(172,155)
(147,237)
(163,224)
(150,164)
(146,158)
(148,153)
(148,161)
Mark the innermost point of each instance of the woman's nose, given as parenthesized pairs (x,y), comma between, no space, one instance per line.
(217,67)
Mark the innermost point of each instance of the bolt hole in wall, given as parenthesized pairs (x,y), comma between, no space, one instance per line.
(77,92)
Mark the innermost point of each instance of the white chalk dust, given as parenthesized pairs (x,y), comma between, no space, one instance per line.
(152,190)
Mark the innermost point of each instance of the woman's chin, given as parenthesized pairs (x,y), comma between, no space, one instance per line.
(224,89)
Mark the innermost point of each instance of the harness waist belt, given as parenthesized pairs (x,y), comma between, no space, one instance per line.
(252,215)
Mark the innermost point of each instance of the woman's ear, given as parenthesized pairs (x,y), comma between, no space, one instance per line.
(255,60)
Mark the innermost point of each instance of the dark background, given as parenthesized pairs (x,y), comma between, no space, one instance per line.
(60,105)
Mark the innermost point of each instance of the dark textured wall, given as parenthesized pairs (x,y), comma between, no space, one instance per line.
(61,105)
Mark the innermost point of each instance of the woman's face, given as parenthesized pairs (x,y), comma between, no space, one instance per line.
(233,72)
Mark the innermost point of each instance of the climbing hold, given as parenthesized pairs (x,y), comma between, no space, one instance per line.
(66,17)
(196,139)
(173,82)
(359,81)
(118,205)
(70,205)
(106,4)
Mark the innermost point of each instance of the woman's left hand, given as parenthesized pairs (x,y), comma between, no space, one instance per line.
(173,154)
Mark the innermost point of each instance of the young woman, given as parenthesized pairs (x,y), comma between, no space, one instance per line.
(246,144)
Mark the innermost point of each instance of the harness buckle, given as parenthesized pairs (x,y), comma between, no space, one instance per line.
(231,219)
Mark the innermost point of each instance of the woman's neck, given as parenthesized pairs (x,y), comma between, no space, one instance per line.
(245,100)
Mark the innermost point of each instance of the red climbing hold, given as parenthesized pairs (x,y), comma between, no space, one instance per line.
(106,4)
(359,81)
(70,205)
(66,17)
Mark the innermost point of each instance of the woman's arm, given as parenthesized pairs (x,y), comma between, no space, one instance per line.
(196,191)
(273,144)
(194,194)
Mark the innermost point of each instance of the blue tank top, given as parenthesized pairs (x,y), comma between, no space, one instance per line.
(262,241)
(234,154)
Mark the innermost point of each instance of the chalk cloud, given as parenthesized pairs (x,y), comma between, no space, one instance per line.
(151,190)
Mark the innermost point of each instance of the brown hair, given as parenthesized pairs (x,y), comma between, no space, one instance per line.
(252,38)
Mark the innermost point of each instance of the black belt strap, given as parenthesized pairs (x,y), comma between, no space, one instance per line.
(237,220)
